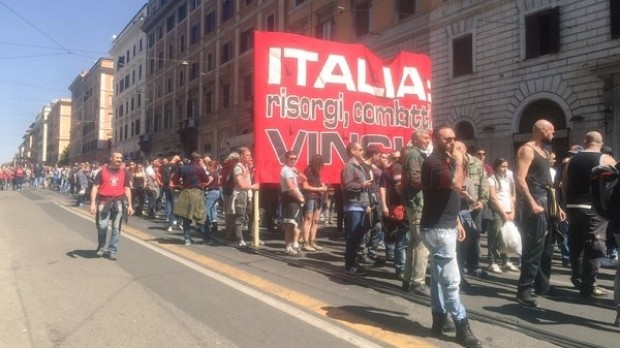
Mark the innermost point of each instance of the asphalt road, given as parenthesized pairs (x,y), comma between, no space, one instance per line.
(159,293)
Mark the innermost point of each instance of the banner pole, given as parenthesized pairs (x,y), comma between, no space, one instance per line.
(256,218)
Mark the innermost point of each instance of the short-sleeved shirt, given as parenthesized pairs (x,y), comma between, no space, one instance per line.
(503,189)
(286,174)
(441,201)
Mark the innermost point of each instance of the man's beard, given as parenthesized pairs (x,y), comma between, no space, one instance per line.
(547,141)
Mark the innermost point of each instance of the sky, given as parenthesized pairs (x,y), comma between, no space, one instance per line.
(44,45)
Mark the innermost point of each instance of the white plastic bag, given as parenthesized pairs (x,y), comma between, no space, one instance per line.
(510,239)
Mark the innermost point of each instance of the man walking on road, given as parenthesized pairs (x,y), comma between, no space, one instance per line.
(110,199)
(587,229)
(443,174)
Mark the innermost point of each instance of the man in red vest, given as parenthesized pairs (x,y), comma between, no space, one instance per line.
(108,201)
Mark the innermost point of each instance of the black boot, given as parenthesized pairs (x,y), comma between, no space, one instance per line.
(464,336)
(441,324)
(214,231)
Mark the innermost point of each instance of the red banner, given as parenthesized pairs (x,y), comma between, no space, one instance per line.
(314,96)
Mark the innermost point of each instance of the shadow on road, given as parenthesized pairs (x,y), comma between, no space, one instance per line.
(85,254)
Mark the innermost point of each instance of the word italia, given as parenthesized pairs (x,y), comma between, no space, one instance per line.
(337,70)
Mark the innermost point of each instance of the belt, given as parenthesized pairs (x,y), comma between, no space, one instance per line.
(212,189)
(579,206)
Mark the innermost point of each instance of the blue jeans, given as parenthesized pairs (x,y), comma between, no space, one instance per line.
(211,199)
(445,275)
(354,230)
(103,220)
(400,250)
(170,199)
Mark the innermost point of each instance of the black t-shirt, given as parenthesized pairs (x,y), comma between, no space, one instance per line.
(441,201)
(390,177)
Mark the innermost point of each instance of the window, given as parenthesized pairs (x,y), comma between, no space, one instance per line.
(152,66)
(134,50)
(325,27)
(137,127)
(150,41)
(462,62)
(120,63)
(210,62)
(194,4)
(132,103)
(182,12)
(169,23)
(181,78)
(614,18)
(169,85)
(246,41)
(127,56)
(193,71)
(182,43)
(140,45)
(248,2)
(168,117)
(406,8)
(226,96)
(542,33)
(160,32)
(361,10)
(192,108)
(133,129)
(226,53)
(194,34)
(271,22)
(210,22)
(248,88)
(140,72)
(126,81)
(299,2)
(139,99)
(133,77)
(209,102)
(170,51)
(157,123)
(227,10)
(160,60)
(126,128)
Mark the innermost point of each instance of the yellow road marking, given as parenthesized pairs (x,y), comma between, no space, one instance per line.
(366,327)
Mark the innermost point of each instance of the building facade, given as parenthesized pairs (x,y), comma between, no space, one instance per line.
(498,66)
(129,52)
(40,136)
(59,127)
(91,113)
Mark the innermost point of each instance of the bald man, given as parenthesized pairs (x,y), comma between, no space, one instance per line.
(587,229)
(533,180)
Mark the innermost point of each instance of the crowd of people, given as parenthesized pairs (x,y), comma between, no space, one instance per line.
(419,208)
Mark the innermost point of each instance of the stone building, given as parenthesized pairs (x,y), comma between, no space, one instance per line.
(91,113)
(128,104)
(59,126)
(500,65)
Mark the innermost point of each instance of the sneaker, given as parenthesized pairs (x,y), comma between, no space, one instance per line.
(480,273)
(169,229)
(594,292)
(365,260)
(421,289)
(241,244)
(400,275)
(112,256)
(292,252)
(356,271)
(617,321)
(525,298)
(188,242)
(494,268)
(509,266)
(100,252)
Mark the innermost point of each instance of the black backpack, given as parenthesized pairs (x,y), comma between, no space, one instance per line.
(606,191)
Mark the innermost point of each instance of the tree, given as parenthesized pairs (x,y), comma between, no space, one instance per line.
(64,157)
